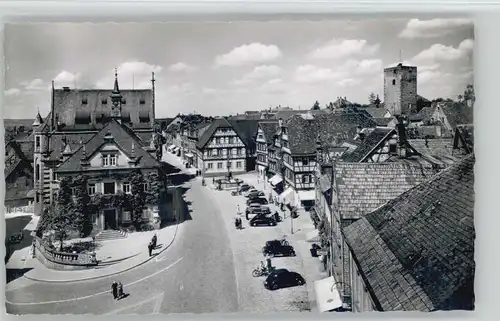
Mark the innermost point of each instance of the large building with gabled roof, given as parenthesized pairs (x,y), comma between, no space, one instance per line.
(103,134)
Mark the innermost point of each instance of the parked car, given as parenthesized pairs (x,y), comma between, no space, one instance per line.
(249,191)
(256,195)
(262,220)
(276,248)
(256,208)
(258,200)
(245,187)
(283,279)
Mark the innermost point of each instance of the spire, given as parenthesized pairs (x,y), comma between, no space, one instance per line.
(116,89)
(38,119)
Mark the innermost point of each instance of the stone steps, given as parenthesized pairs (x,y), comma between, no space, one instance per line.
(107,235)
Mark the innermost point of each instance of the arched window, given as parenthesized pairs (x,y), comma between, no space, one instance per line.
(37,173)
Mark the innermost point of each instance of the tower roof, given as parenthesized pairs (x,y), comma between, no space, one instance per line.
(116,89)
(38,119)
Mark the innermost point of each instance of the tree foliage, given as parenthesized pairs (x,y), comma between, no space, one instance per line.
(138,197)
(315,106)
(82,207)
(377,102)
(372,98)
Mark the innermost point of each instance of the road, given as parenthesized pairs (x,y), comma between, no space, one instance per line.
(195,275)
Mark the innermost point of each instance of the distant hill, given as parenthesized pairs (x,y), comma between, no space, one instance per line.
(10,123)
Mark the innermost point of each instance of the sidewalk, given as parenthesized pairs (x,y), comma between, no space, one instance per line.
(177,162)
(39,272)
(302,225)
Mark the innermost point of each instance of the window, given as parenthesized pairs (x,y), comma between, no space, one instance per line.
(219,165)
(306,179)
(109,188)
(84,101)
(238,164)
(104,101)
(73,191)
(228,164)
(37,142)
(145,214)
(305,161)
(124,101)
(142,101)
(145,187)
(394,82)
(91,189)
(126,188)
(217,140)
(126,217)
(105,160)
(210,165)
(112,160)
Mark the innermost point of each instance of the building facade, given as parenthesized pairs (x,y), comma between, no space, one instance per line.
(265,137)
(225,148)
(102,134)
(400,90)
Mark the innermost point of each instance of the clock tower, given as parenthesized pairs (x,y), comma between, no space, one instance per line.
(400,90)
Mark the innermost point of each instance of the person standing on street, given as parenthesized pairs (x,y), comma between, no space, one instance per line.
(114,289)
(238,209)
(120,290)
(150,248)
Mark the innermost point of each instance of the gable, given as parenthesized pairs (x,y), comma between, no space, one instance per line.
(110,149)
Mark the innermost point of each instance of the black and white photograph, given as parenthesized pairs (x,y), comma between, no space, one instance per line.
(318,166)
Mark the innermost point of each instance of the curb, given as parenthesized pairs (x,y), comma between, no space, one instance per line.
(111,273)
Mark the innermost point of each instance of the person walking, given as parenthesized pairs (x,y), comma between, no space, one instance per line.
(154,240)
(120,290)
(238,209)
(114,289)
(150,248)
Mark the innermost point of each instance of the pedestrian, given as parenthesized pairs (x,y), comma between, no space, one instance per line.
(114,289)
(238,209)
(150,248)
(154,240)
(120,290)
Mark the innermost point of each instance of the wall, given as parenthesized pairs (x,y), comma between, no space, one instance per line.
(360,299)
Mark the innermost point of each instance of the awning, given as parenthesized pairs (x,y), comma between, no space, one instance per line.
(288,197)
(307,195)
(313,236)
(275,180)
(189,155)
(327,295)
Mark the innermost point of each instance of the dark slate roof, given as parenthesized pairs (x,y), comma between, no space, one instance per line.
(247,130)
(425,115)
(287,114)
(382,121)
(209,132)
(417,251)
(303,131)
(68,102)
(375,112)
(436,149)
(457,113)
(371,141)
(270,128)
(363,187)
(466,133)
(123,137)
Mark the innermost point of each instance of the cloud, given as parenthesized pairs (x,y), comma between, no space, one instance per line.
(440,53)
(258,73)
(273,86)
(348,82)
(131,74)
(363,67)
(433,28)
(12,92)
(181,89)
(181,67)
(343,48)
(315,74)
(249,54)
(66,78)
(210,91)
(35,85)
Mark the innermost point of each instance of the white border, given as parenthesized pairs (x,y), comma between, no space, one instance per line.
(487,116)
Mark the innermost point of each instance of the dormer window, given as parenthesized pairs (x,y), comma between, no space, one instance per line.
(84,101)
(109,160)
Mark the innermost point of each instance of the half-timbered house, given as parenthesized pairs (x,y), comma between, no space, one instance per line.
(265,136)
(227,147)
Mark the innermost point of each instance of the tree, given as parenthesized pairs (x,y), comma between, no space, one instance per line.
(372,98)
(82,205)
(138,197)
(315,106)
(59,217)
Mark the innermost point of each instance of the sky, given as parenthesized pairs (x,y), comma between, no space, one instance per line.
(222,68)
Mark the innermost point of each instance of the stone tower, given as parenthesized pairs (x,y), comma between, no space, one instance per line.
(400,89)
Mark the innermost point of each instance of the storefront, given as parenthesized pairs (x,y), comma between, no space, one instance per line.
(307,198)
(189,158)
